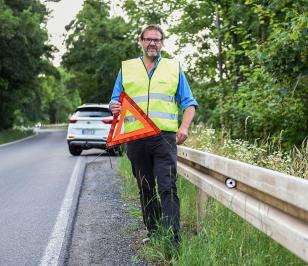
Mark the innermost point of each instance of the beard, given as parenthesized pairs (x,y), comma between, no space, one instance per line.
(152,51)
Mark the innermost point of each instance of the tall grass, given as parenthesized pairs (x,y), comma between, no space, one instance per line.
(224,238)
(10,135)
(261,153)
(129,189)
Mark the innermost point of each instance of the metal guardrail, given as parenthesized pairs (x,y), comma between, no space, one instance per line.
(275,203)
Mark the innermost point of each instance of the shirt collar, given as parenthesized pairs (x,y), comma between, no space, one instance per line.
(156,60)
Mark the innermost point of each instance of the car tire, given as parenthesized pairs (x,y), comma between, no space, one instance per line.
(74,150)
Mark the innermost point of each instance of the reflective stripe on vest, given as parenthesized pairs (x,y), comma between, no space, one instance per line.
(155,96)
(154,114)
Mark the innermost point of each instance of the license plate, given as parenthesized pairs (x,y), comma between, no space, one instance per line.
(88,131)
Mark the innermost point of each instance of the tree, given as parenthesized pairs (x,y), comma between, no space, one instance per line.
(95,49)
(58,100)
(249,68)
(23,55)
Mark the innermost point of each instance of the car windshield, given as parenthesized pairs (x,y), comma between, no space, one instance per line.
(93,112)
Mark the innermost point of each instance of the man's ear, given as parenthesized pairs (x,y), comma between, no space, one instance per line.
(139,43)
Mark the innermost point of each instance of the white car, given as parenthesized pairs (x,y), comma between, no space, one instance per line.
(89,128)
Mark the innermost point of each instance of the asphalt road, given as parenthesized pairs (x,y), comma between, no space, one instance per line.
(34,176)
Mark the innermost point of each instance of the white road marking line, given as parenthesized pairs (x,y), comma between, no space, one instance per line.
(53,249)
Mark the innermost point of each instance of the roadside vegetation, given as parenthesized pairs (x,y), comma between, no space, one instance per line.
(11,135)
(223,237)
(263,152)
(31,88)
(246,61)
(54,126)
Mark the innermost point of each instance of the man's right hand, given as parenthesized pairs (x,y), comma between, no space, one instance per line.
(116,107)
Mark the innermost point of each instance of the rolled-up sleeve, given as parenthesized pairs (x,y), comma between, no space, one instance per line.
(184,96)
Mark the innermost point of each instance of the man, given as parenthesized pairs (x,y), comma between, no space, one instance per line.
(158,86)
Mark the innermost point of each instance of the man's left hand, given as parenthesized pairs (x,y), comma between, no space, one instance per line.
(181,135)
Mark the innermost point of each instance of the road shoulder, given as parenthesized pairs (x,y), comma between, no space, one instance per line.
(102,229)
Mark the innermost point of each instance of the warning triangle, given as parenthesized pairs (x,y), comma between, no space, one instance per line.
(115,136)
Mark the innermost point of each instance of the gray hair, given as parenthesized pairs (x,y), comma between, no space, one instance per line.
(152,27)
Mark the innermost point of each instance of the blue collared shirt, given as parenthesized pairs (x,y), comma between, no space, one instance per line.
(183,97)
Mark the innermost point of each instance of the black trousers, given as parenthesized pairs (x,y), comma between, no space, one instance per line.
(153,162)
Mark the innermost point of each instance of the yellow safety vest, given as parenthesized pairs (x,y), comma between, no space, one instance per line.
(155,95)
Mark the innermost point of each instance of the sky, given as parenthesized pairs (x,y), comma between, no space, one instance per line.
(63,12)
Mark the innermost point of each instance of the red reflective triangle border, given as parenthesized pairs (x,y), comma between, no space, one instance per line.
(150,129)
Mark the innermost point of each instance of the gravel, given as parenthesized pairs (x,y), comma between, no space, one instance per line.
(103,232)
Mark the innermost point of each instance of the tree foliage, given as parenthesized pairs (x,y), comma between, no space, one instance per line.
(96,46)
(23,55)
(58,99)
(249,68)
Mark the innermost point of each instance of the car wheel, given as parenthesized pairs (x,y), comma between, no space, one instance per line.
(74,150)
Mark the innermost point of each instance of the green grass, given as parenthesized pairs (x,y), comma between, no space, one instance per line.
(54,126)
(10,135)
(129,189)
(223,237)
(226,239)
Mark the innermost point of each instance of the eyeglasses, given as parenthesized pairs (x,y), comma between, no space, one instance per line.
(149,40)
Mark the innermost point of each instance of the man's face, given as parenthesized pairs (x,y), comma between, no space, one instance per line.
(151,43)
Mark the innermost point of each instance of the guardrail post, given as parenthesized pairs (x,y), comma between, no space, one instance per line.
(201,200)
